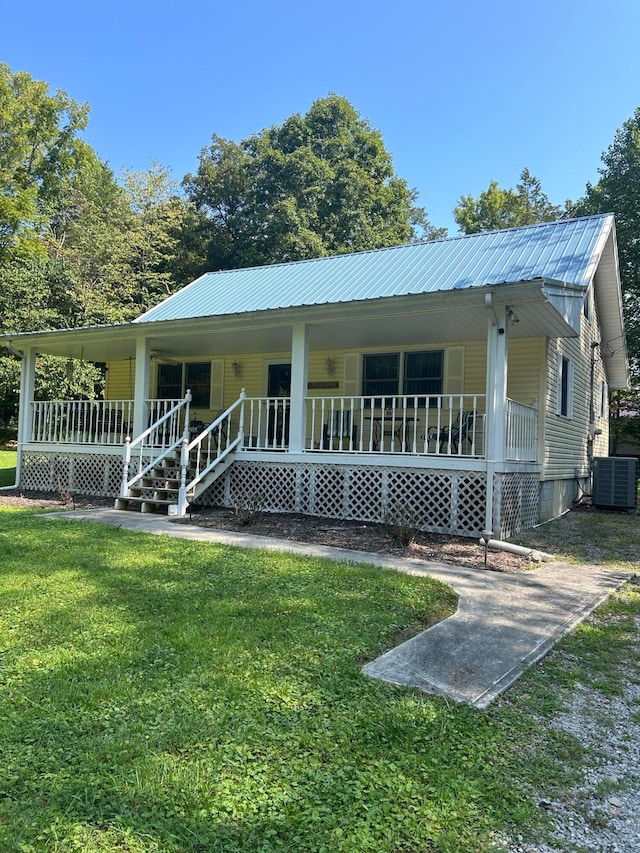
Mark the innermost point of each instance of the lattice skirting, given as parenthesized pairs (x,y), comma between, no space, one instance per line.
(516,503)
(98,474)
(441,501)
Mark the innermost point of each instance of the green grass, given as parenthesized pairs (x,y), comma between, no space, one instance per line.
(161,695)
(607,538)
(7,467)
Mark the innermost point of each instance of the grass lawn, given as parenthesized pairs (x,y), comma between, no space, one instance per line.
(7,467)
(163,695)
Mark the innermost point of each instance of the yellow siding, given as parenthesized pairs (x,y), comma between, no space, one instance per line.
(526,356)
(566,446)
(120,380)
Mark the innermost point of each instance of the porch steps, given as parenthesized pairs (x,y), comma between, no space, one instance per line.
(158,491)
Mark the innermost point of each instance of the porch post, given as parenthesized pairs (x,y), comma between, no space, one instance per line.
(25,410)
(141,387)
(497,339)
(299,373)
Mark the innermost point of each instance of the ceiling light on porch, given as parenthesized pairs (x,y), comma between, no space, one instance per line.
(237,369)
(513,317)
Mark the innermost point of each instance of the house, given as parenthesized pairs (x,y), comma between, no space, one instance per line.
(464,380)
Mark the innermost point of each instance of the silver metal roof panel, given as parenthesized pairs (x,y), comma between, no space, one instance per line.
(566,251)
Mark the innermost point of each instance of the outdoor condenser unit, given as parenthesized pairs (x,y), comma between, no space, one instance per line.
(615,481)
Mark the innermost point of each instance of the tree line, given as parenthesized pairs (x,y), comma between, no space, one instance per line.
(81,246)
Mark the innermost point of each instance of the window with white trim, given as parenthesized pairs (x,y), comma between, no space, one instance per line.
(174,379)
(603,399)
(564,405)
(419,374)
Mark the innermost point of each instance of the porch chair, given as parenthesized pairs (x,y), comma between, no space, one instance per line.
(461,430)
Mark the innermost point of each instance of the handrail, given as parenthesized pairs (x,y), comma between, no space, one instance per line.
(154,426)
(215,429)
(127,483)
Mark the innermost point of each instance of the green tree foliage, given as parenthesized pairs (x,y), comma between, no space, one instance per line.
(76,247)
(39,149)
(498,208)
(318,184)
(618,192)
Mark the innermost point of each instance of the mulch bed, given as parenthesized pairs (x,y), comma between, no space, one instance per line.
(354,535)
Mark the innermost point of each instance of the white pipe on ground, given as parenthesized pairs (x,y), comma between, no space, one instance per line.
(520,550)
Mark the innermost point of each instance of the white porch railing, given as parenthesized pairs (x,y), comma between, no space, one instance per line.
(144,447)
(203,453)
(166,420)
(266,423)
(522,432)
(437,425)
(103,421)
(81,421)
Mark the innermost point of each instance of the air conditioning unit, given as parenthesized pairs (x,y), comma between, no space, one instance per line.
(615,482)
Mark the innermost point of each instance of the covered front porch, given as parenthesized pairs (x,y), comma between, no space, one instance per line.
(466,426)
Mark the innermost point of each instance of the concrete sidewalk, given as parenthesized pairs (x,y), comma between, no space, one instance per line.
(504,622)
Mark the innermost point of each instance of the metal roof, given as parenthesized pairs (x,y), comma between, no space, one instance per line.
(566,251)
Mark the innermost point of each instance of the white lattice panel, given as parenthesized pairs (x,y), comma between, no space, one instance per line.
(516,502)
(98,474)
(442,501)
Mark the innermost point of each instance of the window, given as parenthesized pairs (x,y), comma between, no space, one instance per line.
(174,379)
(423,372)
(412,373)
(169,381)
(603,399)
(565,387)
(380,374)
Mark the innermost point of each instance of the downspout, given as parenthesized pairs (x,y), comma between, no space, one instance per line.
(592,414)
(521,550)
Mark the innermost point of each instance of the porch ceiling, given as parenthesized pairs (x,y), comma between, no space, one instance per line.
(395,321)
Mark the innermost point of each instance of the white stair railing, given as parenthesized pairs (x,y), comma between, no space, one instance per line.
(209,448)
(147,442)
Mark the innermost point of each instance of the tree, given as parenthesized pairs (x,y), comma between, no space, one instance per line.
(618,192)
(318,184)
(498,208)
(39,148)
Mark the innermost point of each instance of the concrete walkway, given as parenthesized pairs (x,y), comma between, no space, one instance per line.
(504,622)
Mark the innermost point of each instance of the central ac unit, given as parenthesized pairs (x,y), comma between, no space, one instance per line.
(615,482)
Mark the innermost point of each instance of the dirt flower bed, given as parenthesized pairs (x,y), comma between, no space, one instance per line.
(360,536)
(355,535)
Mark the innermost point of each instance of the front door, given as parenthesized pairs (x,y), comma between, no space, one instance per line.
(279,380)
(278,385)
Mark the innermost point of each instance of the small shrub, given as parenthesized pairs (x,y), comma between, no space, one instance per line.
(402,523)
(248,508)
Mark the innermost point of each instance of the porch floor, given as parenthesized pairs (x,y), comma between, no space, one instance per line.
(514,619)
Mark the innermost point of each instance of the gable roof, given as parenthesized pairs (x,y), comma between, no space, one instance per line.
(567,251)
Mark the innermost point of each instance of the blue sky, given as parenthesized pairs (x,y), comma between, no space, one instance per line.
(463,92)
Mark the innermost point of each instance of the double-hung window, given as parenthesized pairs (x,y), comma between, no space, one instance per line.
(174,379)
(423,372)
(416,374)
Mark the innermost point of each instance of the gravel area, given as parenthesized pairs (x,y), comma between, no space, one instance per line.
(601,814)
